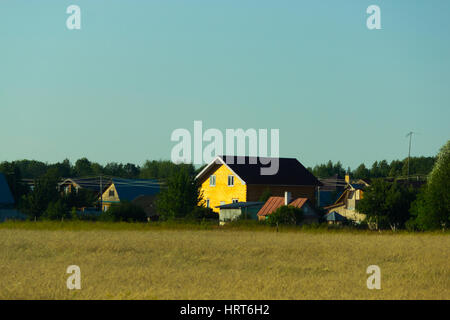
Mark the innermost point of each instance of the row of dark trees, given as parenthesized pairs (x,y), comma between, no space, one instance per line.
(161,169)
(180,198)
(379,169)
(32,169)
(17,171)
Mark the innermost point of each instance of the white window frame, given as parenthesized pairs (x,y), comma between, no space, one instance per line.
(234,200)
(208,204)
(228,182)
(211,180)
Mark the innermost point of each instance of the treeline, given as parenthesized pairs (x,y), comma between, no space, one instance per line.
(162,169)
(44,174)
(32,169)
(178,200)
(379,169)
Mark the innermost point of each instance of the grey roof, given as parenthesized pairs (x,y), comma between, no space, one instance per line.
(5,193)
(238,205)
(334,216)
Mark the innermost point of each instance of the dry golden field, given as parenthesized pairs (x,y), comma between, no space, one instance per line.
(221,264)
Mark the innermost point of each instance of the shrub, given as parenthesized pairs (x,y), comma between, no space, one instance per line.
(56,211)
(286,215)
(202,213)
(124,211)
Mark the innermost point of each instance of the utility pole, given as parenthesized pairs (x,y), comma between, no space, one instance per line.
(318,196)
(101,193)
(409,151)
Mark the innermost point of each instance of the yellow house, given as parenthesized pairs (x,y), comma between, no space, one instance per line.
(223,182)
(345,205)
(127,190)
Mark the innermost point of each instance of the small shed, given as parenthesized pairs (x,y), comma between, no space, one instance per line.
(236,210)
(334,218)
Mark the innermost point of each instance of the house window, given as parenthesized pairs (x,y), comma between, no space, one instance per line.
(111,193)
(230,181)
(212,181)
(207,203)
(235,201)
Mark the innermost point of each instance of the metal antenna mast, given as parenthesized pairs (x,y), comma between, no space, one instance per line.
(410,134)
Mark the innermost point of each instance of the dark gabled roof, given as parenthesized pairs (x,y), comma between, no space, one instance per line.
(237,205)
(290,171)
(6,197)
(130,189)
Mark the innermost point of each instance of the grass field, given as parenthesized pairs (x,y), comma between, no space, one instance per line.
(130,261)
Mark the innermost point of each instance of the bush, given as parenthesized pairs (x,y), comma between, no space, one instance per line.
(287,215)
(56,211)
(124,211)
(202,213)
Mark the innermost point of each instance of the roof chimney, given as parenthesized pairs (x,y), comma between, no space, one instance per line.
(287,198)
(347,178)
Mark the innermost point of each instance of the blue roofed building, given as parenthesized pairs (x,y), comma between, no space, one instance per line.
(129,190)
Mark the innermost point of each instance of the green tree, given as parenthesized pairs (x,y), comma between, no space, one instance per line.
(163,169)
(57,211)
(181,196)
(431,210)
(386,204)
(45,191)
(83,167)
(131,171)
(361,172)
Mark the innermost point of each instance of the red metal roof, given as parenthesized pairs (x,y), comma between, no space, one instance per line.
(273,203)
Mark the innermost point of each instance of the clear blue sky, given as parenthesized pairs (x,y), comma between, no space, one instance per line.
(137,70)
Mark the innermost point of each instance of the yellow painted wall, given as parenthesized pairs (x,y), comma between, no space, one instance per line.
(107,200)
(222,192)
